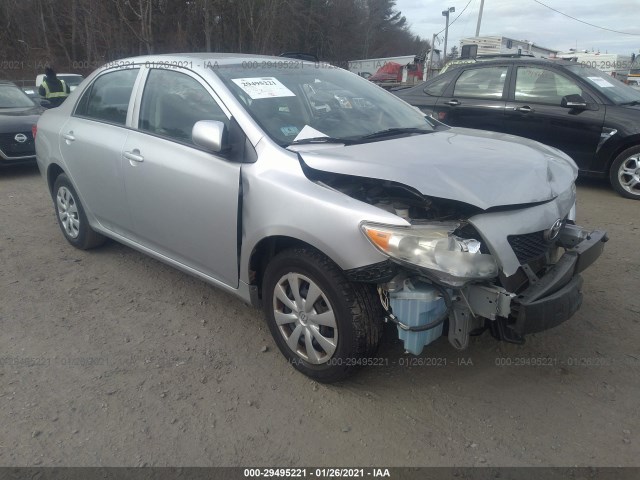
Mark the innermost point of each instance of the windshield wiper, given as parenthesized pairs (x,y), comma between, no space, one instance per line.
(303,141)
(634,102)
(394,131)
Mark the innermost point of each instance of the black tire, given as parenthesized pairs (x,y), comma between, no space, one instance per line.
(355,308)
(67,205)
(615,173)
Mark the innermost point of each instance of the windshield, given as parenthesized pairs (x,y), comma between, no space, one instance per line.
(304,102)
(616,91)
(12,97)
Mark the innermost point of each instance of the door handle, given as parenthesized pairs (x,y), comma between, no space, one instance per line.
(453,102)
(524,109)
(134,156)
(69,136)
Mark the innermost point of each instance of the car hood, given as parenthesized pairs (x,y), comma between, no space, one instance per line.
(484,169)
(18,119)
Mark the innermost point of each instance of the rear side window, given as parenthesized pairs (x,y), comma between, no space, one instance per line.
(108,98)
(173,102)
(485,82)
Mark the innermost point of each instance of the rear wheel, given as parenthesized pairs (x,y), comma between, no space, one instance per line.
(625,173)
(71,217)
(323,324)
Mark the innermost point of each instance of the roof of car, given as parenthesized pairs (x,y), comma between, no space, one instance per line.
(524,60)
(483,63)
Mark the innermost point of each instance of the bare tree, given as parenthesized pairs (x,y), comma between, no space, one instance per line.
(141,25)
(78,35)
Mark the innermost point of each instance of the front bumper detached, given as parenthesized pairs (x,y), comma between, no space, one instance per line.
(555,297)
(546,302)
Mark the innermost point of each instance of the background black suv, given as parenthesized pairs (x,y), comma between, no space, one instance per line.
(584,112)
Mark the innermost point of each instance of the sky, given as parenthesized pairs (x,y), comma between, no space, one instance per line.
(528,20)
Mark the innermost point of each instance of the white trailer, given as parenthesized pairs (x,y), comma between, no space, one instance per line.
(504,45)
(615,65)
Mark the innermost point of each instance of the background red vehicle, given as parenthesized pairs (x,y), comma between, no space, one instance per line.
(392,72)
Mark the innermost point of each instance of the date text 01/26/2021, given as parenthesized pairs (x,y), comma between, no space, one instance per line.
(400,362)
(316,472)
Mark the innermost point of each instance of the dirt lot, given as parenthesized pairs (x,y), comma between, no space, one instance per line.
(111,358)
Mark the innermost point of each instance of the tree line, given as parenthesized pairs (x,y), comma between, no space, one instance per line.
(80,35)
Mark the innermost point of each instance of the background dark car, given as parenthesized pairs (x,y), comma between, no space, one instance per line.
(18,115)
(32,93)
(589,115)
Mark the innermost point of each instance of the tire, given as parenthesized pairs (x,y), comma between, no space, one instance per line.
(625,173)
(328,340)
(71,217)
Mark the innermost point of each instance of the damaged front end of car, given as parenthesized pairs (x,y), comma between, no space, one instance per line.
(455,269)
(450,279)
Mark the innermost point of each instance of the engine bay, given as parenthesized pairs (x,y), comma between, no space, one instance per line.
(396,198)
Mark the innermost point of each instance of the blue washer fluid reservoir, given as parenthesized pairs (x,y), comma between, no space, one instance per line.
(417,305)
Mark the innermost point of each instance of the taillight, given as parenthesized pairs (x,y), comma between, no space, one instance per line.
(34,130)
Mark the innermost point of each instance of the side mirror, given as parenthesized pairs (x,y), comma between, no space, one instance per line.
(45,103)
(210,134)
(574,101)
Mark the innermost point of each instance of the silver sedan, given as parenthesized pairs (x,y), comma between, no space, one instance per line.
(319,197)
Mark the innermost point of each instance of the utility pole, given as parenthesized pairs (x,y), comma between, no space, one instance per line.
(479,18)
(445,13)
(428,65)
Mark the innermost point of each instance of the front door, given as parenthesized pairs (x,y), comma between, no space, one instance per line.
(534,111)
(183,200)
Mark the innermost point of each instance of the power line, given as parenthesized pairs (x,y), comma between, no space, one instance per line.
(582,21)
(454,20)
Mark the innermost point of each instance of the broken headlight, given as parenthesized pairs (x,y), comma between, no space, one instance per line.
(451,259)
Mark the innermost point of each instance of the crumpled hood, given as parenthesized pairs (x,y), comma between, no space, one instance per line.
(485,169)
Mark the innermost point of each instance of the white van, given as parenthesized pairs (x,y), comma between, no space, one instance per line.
(71,79)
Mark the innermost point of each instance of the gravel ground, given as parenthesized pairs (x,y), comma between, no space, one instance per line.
(111,358)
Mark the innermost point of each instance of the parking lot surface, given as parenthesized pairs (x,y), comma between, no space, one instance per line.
(109,357)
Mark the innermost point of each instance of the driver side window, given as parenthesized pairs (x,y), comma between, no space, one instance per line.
(539,85)
(173,102)
(437,87)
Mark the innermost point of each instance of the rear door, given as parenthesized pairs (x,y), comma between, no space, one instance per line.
(91,142)
(183,200)
(476,98)
(534,111)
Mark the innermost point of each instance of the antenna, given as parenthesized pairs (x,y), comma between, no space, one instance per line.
(479,18)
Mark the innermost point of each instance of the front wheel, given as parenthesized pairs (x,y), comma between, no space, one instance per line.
(322,323)
(71,217)
(625,173)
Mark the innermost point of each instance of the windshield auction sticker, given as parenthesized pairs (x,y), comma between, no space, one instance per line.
(601,82)
(263,87)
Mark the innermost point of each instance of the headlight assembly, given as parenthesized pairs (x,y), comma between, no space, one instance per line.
(452,260)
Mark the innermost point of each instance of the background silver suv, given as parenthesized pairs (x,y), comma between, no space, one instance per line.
(330,202)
